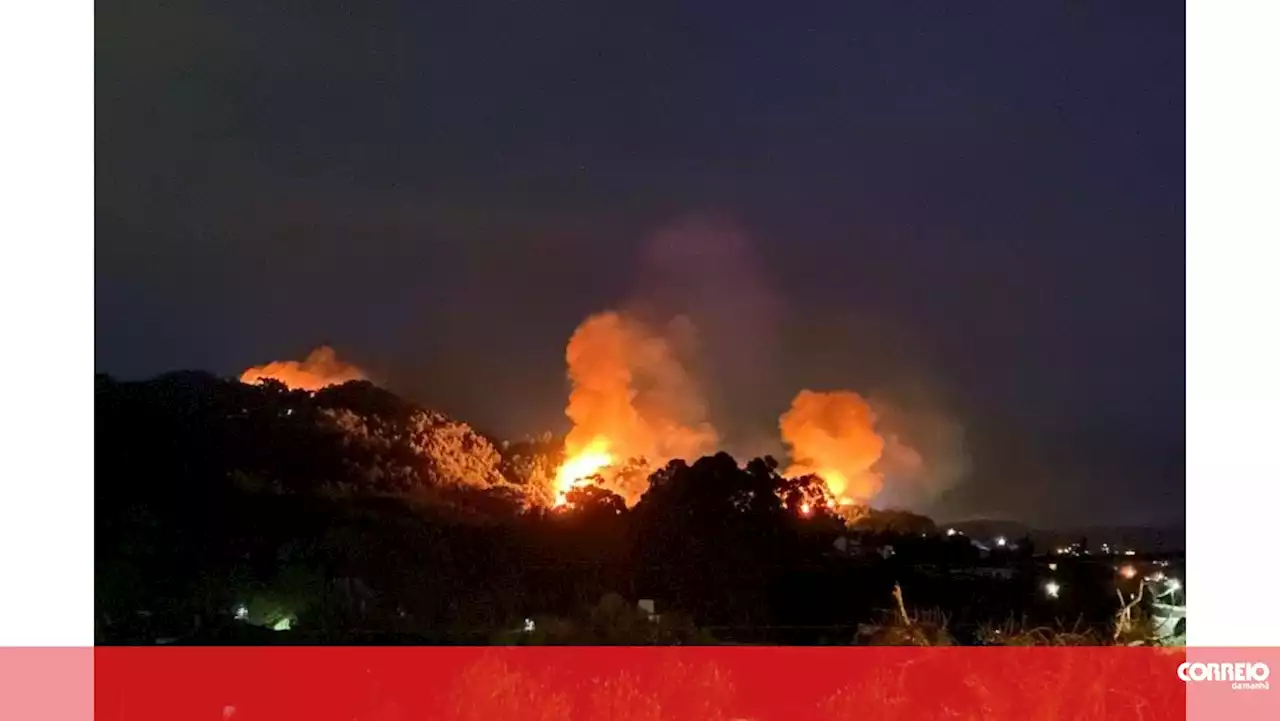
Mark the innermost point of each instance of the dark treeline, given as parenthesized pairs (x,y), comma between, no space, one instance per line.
(344,515)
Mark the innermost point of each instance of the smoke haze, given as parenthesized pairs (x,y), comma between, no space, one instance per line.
(925,452)
(706,267)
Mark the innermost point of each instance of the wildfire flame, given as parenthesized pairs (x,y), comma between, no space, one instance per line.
(833,436)
(321,368)
(576,470)
(631,398)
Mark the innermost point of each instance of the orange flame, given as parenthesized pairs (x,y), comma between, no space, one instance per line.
(631,398)
(320,369)
(575,471)
(833,436)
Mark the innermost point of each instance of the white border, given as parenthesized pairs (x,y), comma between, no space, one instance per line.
(46,324)
(1233,345)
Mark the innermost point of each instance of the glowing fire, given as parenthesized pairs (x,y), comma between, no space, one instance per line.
(832,435)
(836,481)
(321,368)
(631,398)
(575,471)
(841,506)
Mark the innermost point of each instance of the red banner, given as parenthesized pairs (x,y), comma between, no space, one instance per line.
(726,683)
(1018,684)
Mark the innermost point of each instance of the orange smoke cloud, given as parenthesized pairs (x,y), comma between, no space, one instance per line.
(320,369)
(631,399)
(833,435)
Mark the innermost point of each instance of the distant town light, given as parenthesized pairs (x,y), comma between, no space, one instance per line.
(1128,571)
(1052,588)
(951,531)
(1000,541)
(528,625)
(1053,566)
(242,612)
(1130,553)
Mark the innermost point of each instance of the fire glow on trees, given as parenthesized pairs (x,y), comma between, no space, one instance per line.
(635,406)
(576,471)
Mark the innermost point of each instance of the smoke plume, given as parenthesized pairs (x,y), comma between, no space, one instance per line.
(833,435)
(320,369)
(631,398)
(708,268)
(894,451)
(925,452)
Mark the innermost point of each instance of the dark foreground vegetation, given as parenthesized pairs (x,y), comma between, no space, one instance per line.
(230,513)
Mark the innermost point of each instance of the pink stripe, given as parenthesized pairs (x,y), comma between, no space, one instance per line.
(46,683)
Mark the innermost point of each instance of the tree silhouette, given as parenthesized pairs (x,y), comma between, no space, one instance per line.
(591,502)
(707,536)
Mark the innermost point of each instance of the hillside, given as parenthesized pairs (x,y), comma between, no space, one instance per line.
(193,428)
(350,514)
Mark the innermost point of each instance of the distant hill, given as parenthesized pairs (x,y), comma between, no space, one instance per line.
(1154,539)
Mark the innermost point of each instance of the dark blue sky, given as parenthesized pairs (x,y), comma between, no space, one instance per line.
(986,199)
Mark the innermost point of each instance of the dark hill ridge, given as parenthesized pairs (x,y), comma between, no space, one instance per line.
(355,437)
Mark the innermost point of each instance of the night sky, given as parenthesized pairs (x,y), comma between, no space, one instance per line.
(982,202)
